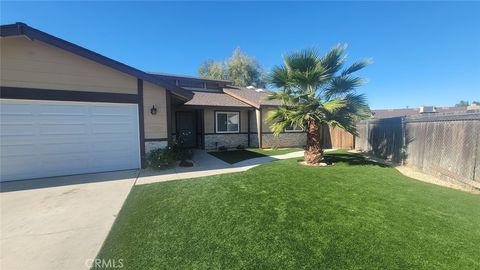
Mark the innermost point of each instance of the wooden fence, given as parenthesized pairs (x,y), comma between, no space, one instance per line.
(443,145)
(337,138)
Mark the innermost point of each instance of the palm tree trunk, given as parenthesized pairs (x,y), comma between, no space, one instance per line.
(314,152)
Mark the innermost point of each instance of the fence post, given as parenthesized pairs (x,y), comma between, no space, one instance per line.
(367,134)
(404,142)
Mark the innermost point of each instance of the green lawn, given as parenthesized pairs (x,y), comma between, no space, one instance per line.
(239,155)
(281,215)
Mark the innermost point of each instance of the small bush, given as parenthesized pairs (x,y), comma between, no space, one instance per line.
(222,148)
(186,164)
(161,158)
(240,147)
(181,153)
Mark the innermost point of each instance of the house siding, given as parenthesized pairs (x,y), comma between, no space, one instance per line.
(34,64)
(266,124)
(155,125)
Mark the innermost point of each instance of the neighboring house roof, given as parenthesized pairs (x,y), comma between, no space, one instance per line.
(19,29)
(389,113)
(252,96)
(215,99)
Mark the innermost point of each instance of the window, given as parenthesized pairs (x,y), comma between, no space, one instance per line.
(293,129)
(227,122)
(191,83)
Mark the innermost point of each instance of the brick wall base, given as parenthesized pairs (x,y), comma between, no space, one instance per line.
(294,139)
(214,141)
(151,145)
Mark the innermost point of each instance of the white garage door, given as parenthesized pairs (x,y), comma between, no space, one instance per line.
(52,138)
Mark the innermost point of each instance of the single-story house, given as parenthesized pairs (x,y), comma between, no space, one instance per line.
(68,110)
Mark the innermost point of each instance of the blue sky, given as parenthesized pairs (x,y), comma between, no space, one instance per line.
(425,53)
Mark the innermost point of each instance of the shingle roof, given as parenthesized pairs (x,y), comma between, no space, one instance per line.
(215,99)
(252,96)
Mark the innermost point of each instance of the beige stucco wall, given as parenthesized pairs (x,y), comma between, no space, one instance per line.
(209,120)
(266,124)
(253,121)
(155,125)
(244,121)
(34,64)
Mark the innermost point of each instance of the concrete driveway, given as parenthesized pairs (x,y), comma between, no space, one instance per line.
(61,222)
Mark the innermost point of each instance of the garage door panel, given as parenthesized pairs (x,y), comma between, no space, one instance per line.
(100,118)
(63,148)
(16,119)
(18,129)
(113,164)
(52,138)
(16,150)
(19,167)
(63,129)
(63,120)
(112,146)
(15,109)
(66,164)
(62,138)
(67,109)
(113,128)
(107,110)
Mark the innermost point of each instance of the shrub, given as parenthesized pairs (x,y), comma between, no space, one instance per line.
(222,148)
(240,147)
(181,153)
(185,163)
(161,158)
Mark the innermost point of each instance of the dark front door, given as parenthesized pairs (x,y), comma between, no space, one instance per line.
(186,126)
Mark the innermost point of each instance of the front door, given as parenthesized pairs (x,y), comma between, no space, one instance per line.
(186,126)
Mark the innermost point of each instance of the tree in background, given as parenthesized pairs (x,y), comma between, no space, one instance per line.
(462,103)
(316,90)
(240,68)
(213,70)
(244,70)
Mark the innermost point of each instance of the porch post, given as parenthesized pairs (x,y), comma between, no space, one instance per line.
(202,128)
(258,116)
(169,116)
(248,123)
(141,122)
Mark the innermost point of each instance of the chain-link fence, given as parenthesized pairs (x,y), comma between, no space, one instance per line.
(444,145)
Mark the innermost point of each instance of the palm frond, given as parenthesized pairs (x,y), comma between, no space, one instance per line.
(357,66)
(342,85)
(333,105)
(334,59)
(302,61)
(279,77)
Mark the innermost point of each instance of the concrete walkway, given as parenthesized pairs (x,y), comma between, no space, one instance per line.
(59,222)
(206,165)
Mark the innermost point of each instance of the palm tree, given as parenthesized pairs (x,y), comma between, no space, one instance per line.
(316,91)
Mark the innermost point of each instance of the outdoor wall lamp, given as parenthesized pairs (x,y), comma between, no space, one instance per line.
(153,110)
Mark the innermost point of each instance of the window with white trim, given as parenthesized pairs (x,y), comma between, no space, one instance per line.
(292,128)
(227,122)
